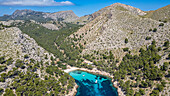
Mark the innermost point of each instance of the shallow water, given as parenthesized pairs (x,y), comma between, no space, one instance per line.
(93,85)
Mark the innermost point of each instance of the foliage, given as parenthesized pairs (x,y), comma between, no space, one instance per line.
(9,92)
(148,38)
(126,40)
(154,30)
(2,68)
(125,49)
(166,44)
(53,40)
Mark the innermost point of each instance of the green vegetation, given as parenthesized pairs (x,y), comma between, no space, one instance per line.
(54,41)
(154,30)
(135,71)
(2,68)
(166,44)
(30,84)
(161,24)
(126,40)
(148,38)
(9,92)
(1,91)
(125,49)
(3,26)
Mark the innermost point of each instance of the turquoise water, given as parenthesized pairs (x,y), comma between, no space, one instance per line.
(93,85)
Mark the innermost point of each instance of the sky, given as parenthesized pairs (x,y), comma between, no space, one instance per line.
(80,7)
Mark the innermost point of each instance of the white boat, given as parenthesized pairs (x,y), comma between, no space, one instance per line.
(83,75)
(96,81)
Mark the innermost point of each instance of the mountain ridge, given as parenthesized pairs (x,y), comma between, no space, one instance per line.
(27,14)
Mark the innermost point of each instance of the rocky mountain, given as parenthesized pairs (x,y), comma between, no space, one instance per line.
(66,16)
(127,43)
(161,14)
(117,40)
(113,24)
(87,18)
(23,60)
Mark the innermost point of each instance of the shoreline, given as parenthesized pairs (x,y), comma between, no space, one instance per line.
(97,72)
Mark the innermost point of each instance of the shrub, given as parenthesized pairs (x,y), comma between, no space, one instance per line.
(125,49)
(148,38)
(150,30)
(161,24)
(166,44)
(126,40)
(26,56)
(9,92)
(19,63)
(154,30)
(3,68)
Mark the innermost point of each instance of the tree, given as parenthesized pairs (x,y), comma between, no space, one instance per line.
(9,92)
(144,84)
(166,44)
(1,91)
(126,40)
(165,66)
(148,38)
(142,92)
(154,30)
(160,87)
(161,24)
(26,56)
(155,93)
(125,49)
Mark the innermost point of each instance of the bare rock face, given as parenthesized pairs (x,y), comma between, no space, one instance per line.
(15,44)
(18,13)
(113,24)
(67,16)
(50,26)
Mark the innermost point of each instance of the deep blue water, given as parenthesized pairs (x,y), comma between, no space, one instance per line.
(88,86)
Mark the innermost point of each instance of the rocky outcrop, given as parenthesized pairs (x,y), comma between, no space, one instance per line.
(113,24)
(15,44)
(67,16)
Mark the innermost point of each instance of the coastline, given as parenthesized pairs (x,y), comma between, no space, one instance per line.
(97,72)
(73,91)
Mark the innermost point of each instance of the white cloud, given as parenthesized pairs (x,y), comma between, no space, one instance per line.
(35,3)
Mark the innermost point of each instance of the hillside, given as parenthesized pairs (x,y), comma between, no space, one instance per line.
(161,14)
(125,42)
(121,42)
(25,66)
(118,22)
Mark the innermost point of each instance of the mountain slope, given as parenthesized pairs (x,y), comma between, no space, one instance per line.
(25,66)
(116,23)
(162,14)
(135,50)
(66,16)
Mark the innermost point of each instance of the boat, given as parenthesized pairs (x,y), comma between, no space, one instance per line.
(96,81)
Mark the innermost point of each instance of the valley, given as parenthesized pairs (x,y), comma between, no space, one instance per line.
(39,50)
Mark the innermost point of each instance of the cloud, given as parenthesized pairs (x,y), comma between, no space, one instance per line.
(35,3)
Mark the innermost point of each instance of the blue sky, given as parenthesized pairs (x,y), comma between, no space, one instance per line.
(80,7)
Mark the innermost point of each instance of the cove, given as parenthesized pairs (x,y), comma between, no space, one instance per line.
(93,85)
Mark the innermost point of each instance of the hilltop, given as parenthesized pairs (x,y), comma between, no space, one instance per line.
(66,16)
